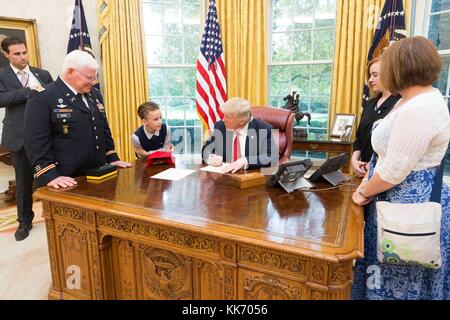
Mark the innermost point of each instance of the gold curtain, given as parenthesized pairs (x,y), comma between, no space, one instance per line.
(243,29)
(355,27)
(125,82)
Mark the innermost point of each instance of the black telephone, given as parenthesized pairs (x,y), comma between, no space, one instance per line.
(330,170)
(289,172)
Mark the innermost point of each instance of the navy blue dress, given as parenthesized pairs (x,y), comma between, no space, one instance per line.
(377,281)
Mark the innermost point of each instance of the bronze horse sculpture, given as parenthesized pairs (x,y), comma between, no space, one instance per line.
(292,104)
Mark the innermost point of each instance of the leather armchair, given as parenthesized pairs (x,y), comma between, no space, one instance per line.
(280,119)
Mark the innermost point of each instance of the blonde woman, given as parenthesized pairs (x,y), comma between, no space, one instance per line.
(376,108)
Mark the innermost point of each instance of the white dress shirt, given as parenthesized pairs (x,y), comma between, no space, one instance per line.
(75,92)
(243,132)
(137,144)
(32,80)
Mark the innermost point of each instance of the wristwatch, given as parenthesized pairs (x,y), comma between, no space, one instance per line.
(361,192)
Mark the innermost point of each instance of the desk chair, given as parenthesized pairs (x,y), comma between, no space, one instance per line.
(280,119)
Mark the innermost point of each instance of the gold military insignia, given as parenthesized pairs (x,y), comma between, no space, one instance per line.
(65,129)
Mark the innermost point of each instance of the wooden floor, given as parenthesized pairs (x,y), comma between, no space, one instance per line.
(24,265)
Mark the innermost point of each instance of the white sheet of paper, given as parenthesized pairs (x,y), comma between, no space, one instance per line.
(220,169)
(173,174)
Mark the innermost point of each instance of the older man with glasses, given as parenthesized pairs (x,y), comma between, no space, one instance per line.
(67,130)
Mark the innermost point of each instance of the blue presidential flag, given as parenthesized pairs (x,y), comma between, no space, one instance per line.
(79,37)
(391,27)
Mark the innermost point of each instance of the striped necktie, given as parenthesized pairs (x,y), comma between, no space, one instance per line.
(23,77)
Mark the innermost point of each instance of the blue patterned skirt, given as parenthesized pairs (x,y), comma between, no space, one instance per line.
(377,281)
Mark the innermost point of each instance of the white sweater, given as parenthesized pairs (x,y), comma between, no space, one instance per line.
(411,138)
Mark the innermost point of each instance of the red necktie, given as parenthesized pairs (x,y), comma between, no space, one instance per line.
(236,148)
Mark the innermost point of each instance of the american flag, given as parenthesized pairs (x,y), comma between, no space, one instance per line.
(211,74)
(391,27)
(79,37)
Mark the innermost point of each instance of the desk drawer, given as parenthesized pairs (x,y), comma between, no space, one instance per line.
(259,286)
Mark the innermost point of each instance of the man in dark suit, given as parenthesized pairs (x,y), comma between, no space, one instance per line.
(240,140)
(17,81)
(67,130)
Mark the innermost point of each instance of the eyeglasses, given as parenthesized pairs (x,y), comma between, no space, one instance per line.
(91,79)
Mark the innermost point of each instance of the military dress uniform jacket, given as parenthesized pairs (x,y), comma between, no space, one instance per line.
(63,136)
(13,97)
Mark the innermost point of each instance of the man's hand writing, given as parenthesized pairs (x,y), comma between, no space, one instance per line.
(215,160)
(235,166)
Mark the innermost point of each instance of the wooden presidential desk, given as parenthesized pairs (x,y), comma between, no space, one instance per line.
(324,143)
(132,237)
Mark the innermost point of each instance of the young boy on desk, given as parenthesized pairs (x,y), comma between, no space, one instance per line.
(152,135)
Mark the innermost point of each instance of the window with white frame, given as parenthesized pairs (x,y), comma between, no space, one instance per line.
(301,44)
(433,22)
(172,37)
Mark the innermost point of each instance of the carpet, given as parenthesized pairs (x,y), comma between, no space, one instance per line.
(8,216)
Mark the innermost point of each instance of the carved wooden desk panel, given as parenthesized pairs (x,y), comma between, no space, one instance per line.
(132,237)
